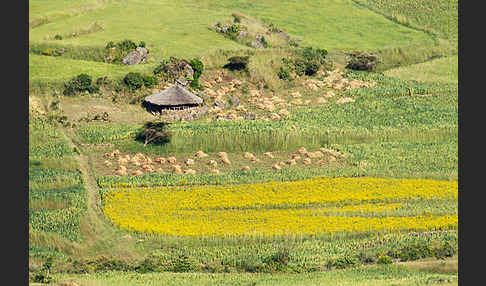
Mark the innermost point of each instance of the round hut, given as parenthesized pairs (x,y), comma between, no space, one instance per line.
(173,97)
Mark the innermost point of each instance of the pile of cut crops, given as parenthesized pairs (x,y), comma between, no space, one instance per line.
(312,206)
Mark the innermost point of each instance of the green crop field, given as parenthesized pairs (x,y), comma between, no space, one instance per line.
(297,169)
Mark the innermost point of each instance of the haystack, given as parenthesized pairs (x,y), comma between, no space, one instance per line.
(174,97)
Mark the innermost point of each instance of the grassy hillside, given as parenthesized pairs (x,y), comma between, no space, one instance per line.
(443,70)
(181,28)
(439,17)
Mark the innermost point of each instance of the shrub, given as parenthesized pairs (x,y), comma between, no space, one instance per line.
(110,45)
(445,250)
(284,73)
(126,45)
(160,68)
(305,61)
(115,52)
(362,61)
(278,259)
(133,80)
(146,266)
(149,81)
(367,257)
(154,132)
(264,42)
(412,252)
(233,31)
(198,67)
(173,68)
(384,259)
(81,82)
(341,263)
(238,63)
(183,264)
(58,37)
(310,54)
(311,68)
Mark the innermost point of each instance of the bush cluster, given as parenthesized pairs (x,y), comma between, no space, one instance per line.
(80,83)
(423,250)
(155,133)
(198,67)
(305,61)
(341,262)
(115,52)
(238,63)
(135,80)
(362,61)
(231,31)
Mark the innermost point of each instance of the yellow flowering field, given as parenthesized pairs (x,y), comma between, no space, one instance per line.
(277,208)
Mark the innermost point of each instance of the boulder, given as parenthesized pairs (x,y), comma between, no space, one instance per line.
(135,57)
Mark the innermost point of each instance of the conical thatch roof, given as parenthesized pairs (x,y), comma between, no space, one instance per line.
(173,96)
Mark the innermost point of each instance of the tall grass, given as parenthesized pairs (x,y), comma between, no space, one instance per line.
(408,55)
(443,70)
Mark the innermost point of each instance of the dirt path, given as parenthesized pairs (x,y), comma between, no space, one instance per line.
(101,237)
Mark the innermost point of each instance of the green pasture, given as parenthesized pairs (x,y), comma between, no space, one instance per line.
(442,70)
(50,69)
(181,29)
(439,17)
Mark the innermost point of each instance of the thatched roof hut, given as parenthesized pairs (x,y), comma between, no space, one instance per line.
(174,97)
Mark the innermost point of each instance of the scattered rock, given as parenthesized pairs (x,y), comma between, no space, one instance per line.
(284,112)
(276,167)
(275,116)
(248,155)
(135,57)
(245,168)
(201,154)
(190,171)
(329,94)
(189,162)
(296,94)
(268,155)
(332,159)
(220,104)
(172,160)
(177,169)
(291,162)
(215,171)
(226,161)
(249,116)
(302,151)
(316,154)
(235,101)
(344,100)
(321,100)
